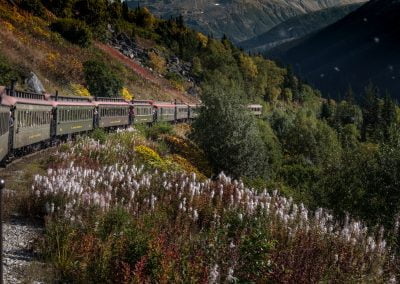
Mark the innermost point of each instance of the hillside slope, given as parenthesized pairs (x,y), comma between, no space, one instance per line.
(27,44)
(297,27)
(239,20)
(362,47)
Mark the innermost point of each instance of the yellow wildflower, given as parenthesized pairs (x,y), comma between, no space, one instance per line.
(126,94)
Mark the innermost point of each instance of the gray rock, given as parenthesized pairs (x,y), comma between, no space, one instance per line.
(34,84)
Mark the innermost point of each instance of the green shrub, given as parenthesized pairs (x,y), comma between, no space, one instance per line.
(33,6)
(158,129)
(74,31)
(99,135)
(7,73)
(101,80)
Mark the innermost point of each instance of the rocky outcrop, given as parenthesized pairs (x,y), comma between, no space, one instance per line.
(34,84)
(174,65)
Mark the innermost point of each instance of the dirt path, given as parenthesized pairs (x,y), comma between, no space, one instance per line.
(20,263)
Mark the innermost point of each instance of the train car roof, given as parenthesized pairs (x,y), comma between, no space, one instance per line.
(163,104)
(61,103)
(110,101)
(143,101)
(142,104)
(8,100)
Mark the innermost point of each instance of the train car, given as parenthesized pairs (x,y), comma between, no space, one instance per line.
(112,112)
(4,129)
(193,111)
(32,118)
(72,114)
(143,111)
(181,112)
(255,109)
(165,112)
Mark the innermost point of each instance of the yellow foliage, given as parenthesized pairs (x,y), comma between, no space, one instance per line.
(274,93)
(9,26)
(157,62)
(126,94)
(248,66)
(79,90)
(146,18)
(177,85)
(186,165)
(41,32)
(202,38)
(52,56)
(149,155)
(190,152)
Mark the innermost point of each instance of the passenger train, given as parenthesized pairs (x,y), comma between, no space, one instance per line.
(30,121)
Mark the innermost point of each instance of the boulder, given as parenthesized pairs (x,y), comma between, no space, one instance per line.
(34,84)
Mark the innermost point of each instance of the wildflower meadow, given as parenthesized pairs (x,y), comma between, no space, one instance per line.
(113,217)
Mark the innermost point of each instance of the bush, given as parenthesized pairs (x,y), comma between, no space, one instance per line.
(7,73)
(158,129)
(99,135)
(74,31)
(157,62)
(33,6)
(101,80)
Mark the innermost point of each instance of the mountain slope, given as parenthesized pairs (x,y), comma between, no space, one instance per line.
(360,48)
(238,19)
(297,27)
(28,44)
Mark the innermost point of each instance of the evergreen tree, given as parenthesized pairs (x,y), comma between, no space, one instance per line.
(388,117)
(349,95)
(229,135)
(326,110)
(125,10)
(371,115)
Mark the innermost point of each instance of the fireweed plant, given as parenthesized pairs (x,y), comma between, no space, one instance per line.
(112,217)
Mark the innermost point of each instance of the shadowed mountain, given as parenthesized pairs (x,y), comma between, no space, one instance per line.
(297,27)
(240,20)
(362,47)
